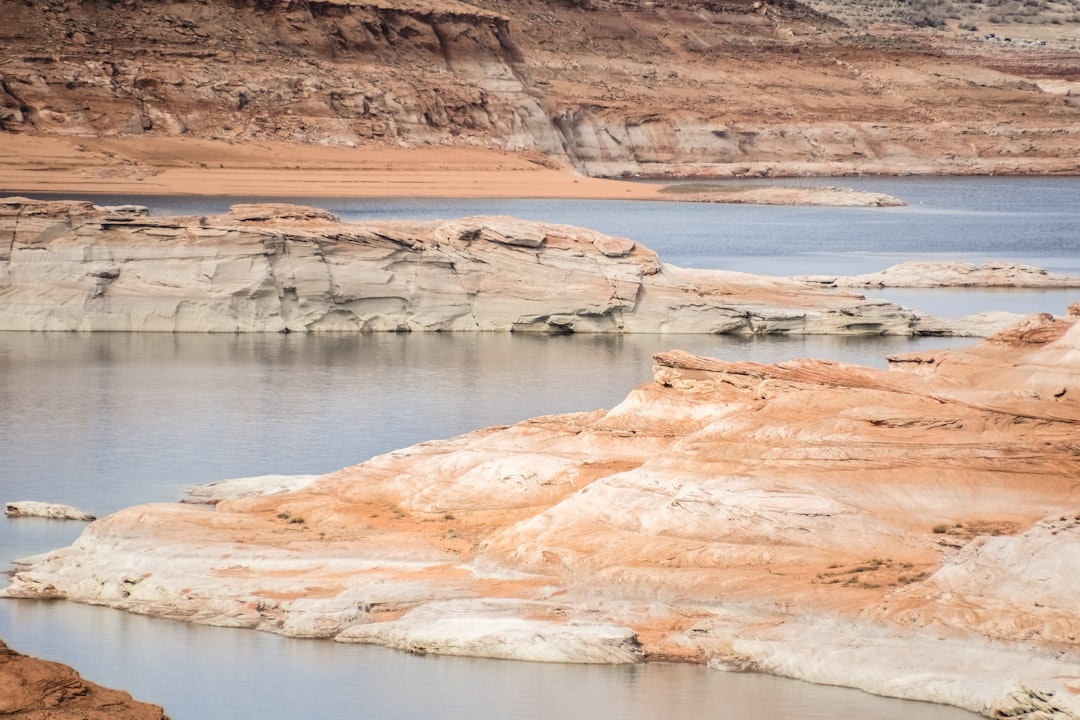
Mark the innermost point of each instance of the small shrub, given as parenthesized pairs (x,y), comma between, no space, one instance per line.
(941,529)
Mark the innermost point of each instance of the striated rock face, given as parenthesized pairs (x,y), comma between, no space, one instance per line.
(740,88)
(911,532)
(273,268)
(32,689)
(950,274)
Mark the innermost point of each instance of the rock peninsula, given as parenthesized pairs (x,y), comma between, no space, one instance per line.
(74,266)
(991,274)
(53,511)
(32,689)
(912,532)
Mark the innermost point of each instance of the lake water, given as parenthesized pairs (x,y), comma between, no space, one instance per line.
(105,421)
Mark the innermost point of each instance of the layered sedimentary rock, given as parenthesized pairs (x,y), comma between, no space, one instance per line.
(53,511)
(950,274)
(911,532)
(32,689)
(272,268)
(740,88)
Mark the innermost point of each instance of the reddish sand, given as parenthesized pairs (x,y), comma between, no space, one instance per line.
(170,165)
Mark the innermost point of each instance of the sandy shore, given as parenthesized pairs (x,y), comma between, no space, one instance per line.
(189,166)
(177,166)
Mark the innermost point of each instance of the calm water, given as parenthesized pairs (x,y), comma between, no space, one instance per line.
(110,420)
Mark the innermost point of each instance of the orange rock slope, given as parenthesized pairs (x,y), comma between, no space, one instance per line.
(32,689)
(912,532)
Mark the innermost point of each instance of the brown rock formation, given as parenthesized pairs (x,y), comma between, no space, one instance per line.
(32,689)
(657,88)
(912,533)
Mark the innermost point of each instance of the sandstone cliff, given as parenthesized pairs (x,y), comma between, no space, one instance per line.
(32,689)
(267,268)
(654,88)
(910,532)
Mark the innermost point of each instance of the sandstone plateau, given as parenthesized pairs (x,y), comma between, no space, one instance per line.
(32,689)
(273,268)
(744,88)
(913,532)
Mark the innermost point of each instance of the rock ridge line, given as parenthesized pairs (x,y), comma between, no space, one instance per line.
(73,266)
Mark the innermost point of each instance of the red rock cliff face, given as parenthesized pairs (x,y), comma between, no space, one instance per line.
(660,88)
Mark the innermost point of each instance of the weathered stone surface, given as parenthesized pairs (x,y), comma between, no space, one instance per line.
(32,689)
(498,628)
(274,268)
(54,511)
(746,90)
(912,533)
(215,492)
(950,274)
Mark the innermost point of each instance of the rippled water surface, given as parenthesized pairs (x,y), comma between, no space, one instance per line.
(109,420)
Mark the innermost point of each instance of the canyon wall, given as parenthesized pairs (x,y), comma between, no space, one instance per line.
(732,89)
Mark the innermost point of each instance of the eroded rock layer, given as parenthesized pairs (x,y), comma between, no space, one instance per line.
(739,88)
(32,689)
(996,274)
(273,268)
(911,532)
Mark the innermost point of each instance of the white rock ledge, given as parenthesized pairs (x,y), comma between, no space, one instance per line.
(52,511)
(72,266)
(499,629)
(992,274)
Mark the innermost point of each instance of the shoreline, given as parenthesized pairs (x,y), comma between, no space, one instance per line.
(191,166)
(161,166)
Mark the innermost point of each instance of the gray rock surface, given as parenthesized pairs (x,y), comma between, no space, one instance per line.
(72,266)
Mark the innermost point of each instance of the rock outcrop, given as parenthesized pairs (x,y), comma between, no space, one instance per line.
(53,511)
(826,196)
(910,532)
(950,274)
(32,689)
(742,88)
(274,268)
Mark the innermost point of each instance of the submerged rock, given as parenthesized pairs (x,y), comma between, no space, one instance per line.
(287,268)
(910,532)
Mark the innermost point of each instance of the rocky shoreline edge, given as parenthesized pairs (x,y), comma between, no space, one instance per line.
(911,532)
(34,689)
(76,266)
